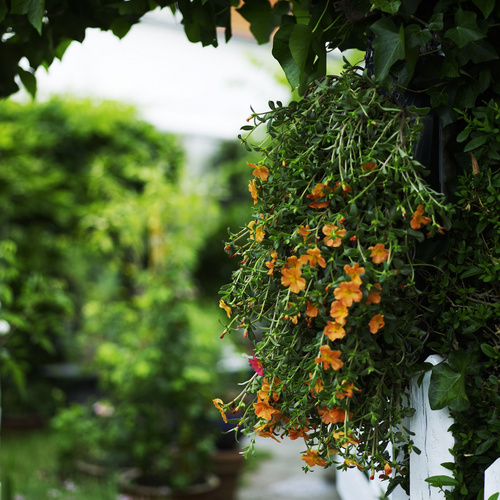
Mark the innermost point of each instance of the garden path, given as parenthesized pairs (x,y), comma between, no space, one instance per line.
(281,477)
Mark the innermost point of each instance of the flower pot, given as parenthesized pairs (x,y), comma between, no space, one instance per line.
(138,487)
(227,466)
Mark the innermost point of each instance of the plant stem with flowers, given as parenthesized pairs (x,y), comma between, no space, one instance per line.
(326,289)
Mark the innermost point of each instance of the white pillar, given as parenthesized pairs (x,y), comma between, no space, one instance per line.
(492,479)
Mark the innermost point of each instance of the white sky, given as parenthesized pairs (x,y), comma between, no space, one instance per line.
(176,85)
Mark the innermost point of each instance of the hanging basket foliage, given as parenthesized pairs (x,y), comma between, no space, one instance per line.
(327,286)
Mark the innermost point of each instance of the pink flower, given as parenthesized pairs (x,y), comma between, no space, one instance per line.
(256,365)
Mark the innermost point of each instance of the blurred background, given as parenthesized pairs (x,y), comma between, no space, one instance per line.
(117,189)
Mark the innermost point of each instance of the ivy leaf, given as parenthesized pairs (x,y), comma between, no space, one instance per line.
(415,36)
(447,388)
(262,17)
(300,44)
(282,53)
(34,9)
(485,6)
(466,29)
(389,6)
(436,22)
(388,46)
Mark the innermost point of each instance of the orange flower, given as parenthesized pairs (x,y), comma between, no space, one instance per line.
(329,358)
(259,231)
(253,190)
(354,272)
(374,295)
(263,409)
(351,463)
(266,388)
(334,330)
(376,323)
(259,171)
(270,263)
(293,262)
(226,308)
(332,415)
(312,311)
(296,432)
(369,166)
(317,193)
(347,388)
(292,278)
(304,231)
(312,458)
(379,253)
(333,235)
(339,311)
(417,219)
(264,431)
(318,385)
(348,292)
(217,403)
(387,469)
(314,257)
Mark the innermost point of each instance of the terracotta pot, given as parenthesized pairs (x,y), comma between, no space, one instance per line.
(228,465)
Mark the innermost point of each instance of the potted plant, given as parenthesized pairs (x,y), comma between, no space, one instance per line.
(328,285)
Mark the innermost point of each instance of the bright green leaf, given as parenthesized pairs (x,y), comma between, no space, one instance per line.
(440,481)
(389,6)
(388,46)
(466,29)
(281,52)
(494,496)
(447,388)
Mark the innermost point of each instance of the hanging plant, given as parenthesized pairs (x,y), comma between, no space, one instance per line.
(326,289)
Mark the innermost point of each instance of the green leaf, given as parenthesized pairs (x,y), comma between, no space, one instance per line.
(28,80)
(282,53)
(473,271)
(440,481)
(3,10)
(447,388)
(34,9)
(301,45)
(120,27)
(494,496)
(388,46)
(490,351)
(389,6)
(485,445)
(415,36)
(475,143)
(436,22)
(485,6)
(466,29)
(262,17)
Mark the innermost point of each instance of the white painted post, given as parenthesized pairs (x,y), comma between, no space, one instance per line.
(431,438)
(492,479)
